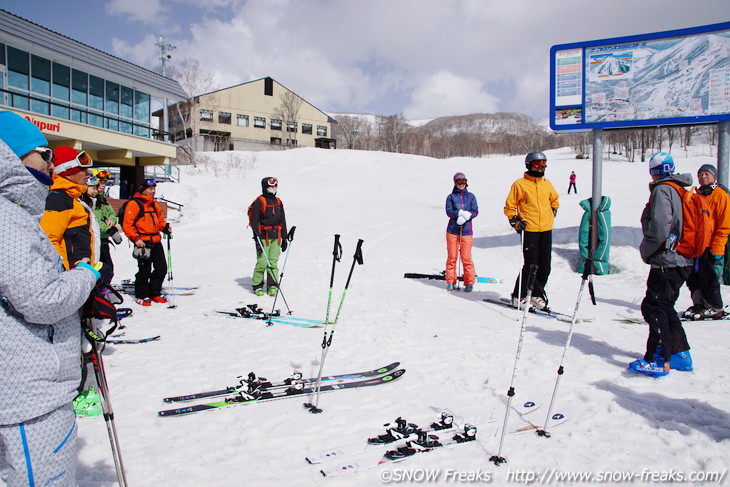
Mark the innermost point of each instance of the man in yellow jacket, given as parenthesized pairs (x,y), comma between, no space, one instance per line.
(704,281)
(68,224)
(531,206)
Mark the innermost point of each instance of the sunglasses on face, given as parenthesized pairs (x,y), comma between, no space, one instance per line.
(46,154)
(461,181)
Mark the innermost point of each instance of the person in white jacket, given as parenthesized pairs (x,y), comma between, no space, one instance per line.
(40,323)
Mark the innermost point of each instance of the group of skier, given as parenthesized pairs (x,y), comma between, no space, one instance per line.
(531,206)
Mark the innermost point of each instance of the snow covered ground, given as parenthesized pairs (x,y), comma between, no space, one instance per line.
(458,350)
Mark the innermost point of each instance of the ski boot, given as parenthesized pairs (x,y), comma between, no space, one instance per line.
(652,369)
(681,361)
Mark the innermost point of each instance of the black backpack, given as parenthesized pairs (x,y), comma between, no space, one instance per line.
(123,209)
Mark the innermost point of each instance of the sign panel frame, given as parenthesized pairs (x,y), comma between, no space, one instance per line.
(675,77)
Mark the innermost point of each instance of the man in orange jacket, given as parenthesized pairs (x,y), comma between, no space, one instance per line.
(143,222)
(68,224)
(704,281)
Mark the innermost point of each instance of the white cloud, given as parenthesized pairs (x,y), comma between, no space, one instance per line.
(445,93)
(144,11)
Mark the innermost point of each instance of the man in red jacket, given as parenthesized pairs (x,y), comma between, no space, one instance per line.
(143,222)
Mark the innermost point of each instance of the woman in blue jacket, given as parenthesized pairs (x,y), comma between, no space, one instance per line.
(461,208)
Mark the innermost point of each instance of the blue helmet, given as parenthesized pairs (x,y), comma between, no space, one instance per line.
(661,164)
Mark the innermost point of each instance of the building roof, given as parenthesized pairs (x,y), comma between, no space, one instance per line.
(34,38)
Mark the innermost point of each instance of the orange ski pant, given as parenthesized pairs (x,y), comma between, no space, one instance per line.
(459,245)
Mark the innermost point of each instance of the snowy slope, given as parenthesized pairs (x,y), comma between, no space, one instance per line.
(458,350)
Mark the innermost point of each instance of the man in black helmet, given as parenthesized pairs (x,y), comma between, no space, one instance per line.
(268,222)
(531,206)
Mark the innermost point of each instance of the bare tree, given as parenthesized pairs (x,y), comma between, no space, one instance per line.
(288,112)
(195,82)
(348,130)
(392,131)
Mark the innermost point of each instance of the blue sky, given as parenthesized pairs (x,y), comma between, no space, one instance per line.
(421,58)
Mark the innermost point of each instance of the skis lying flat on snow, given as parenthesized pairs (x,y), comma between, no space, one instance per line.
(127,287)
(132,341)
(442,277)
(262,383)
(296,390)
(254,312)
(546,313)
(428,441)
(124,313)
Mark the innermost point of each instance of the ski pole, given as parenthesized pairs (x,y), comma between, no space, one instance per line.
(327,341)
(458,258)
(586,273)
(290,238)
(522,270)
(269,271)
(106,406)
(169,273)
(498,459)
(336,257)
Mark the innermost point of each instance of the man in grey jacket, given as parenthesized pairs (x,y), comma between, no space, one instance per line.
(40,332)
(661,224)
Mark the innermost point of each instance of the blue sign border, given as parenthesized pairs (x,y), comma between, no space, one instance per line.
(582,127)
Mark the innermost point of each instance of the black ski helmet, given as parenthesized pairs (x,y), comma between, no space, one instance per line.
(268,181)
(534,156)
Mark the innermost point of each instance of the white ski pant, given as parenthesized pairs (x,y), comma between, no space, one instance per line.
(40,452)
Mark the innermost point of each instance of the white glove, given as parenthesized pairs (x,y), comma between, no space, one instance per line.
(464,216)
(460,220)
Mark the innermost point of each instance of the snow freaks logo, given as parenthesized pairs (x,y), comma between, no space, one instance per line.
(422,475)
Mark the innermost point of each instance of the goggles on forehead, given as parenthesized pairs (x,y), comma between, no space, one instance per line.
(461,181)
(103,175)
(46,154)
(150,182)
(81,160)
(92,181)
(272,182)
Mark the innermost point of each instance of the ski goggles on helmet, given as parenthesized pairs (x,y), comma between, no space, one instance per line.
(82,159)
(103,175)
(461,181)
(272,182)
(92,181)
(149,182)
(46,153)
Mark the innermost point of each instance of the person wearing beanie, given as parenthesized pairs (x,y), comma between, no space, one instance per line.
(268,223)
(531,206)
(143,224)
(461,208)
(29,144)
(661,225)
(67,222)
(106,218)
(704,280)
(40,329)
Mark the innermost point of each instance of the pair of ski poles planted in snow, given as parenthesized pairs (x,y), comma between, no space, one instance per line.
(270,268)
(498,459)
(313,404)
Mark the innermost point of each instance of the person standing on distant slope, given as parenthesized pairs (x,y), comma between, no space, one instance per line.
(531,206)
(704,281)
(572,183)
(662,218)
(461,208)
(268,223)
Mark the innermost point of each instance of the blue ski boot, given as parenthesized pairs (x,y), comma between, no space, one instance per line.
(681,361)
(652,369)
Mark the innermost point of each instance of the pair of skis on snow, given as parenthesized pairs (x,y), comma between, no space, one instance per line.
(403,440)
(127,287)
(545,313)
(254,312)
(253,389)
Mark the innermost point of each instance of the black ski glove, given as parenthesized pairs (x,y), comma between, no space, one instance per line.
(517,223)
(284,245)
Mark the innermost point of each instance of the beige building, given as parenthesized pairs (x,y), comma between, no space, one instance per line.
(257,115)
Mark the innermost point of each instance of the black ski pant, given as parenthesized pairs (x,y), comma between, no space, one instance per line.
(148,282)
(572,185)
(105,257)
(536,249)
(703,283)
(665,327)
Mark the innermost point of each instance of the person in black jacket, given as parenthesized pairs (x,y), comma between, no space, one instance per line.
(268,223)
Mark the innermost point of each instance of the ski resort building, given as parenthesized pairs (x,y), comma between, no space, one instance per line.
(84,98)
(257,115)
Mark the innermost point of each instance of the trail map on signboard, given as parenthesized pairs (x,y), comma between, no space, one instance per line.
(625,83)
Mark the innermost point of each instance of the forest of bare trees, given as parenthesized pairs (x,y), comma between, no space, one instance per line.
(509,134)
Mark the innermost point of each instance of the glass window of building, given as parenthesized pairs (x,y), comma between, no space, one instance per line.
(40,84)
(142,113)
(259,122)
(61,91)
(321,131)
(275,124)
(96,93)
(127,102)
(18,68)
(242,120)
(206,115)
(291,127)
(79,88)
(112,98)
(307,128)
(224,117)
(2,53)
